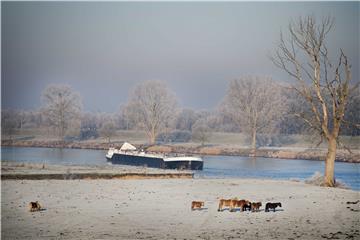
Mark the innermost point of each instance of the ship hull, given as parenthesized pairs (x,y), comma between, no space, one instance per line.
(135,160)
(184,165)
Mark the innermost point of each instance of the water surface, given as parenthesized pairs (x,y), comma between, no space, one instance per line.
(245,167)
(214,166)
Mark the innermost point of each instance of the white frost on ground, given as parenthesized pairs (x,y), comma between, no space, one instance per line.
(160,209)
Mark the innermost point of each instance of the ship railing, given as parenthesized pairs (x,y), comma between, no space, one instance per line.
(154,154)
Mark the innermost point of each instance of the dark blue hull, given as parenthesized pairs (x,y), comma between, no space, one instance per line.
(135,160)
(184,165)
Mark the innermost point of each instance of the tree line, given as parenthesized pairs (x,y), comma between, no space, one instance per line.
(257,106)
(322,100)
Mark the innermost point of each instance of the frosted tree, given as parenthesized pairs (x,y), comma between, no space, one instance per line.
(108,130)
(61,105)
(201,131)
(256,104)
(153,106)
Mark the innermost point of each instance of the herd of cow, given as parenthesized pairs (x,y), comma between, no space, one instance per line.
(234,204)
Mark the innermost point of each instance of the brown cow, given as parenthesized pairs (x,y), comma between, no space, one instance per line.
(239,204)
(196,205)
(255,206)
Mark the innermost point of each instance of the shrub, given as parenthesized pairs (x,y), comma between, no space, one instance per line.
(318,179)
(88,133)
(174,136)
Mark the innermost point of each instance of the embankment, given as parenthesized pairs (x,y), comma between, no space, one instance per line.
(34,171)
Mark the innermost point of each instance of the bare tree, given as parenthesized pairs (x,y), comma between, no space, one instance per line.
(88,126)
(21,118)
(256,104)
(153,106)
(61,105)
(324,85)
(8,124)
(34,119)
(108,130)
(201,131)
(124,118)
(291,124)
(352,116)
(185,119)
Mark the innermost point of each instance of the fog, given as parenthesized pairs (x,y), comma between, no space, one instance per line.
(104,49)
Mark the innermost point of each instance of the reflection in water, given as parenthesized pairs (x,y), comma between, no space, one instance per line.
(253,162)
(214,166)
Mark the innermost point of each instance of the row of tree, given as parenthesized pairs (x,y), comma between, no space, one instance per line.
(321,96)
(257,106)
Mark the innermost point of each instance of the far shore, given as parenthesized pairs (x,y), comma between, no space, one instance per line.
(281,153)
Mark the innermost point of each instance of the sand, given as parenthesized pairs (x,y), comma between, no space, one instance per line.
(160,209)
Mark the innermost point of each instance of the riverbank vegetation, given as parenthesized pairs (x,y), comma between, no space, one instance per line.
(256,112)
(190,127)
(187,131)
(218,143)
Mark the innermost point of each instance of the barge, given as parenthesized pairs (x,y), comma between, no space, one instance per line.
(129,155)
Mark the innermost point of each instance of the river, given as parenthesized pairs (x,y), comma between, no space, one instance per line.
(214,166)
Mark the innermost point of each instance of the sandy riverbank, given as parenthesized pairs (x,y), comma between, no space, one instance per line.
(160,209)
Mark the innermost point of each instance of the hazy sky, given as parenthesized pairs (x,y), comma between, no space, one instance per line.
(103,49)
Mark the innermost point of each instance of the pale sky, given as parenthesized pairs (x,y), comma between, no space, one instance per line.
(104,49)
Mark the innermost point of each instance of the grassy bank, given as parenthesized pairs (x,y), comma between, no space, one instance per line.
(219,143)
(216,138)
(283,153)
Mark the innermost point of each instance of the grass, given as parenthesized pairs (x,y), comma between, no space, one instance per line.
(222,138)
(216,138)
(131,136)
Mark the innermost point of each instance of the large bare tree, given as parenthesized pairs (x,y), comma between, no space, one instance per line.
(256,104)
(153,106)
(61,105)
(322,83)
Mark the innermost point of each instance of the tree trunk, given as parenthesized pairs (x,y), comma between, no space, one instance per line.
(253,141)
(330,163)
(152,137)
(61,135)
(152,140)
